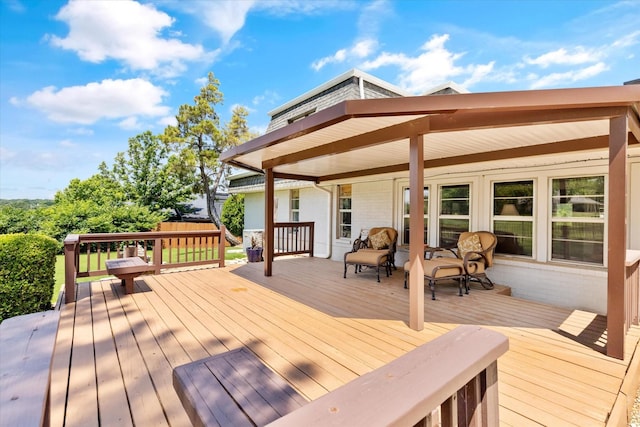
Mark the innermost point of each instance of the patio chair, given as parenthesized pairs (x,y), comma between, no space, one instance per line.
(377,250)
(438,269)
(474,252)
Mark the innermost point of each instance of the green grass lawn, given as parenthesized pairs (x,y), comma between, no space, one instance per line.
(230,253)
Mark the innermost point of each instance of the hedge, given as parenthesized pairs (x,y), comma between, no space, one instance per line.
(27,268)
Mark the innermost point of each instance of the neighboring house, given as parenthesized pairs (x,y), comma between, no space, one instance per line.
(549,208)
(196,209)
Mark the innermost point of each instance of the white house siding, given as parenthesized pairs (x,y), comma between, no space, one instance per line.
(377,201)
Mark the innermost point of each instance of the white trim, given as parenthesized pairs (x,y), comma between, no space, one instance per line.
(449,84)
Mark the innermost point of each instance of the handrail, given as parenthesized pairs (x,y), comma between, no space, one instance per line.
(454,378)
(293,238)
(162,249)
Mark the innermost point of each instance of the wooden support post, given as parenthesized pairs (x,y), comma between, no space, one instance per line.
(267,237)
(416,231)
(617,231)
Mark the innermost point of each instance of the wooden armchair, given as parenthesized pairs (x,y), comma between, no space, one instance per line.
(474,252)
(377,250)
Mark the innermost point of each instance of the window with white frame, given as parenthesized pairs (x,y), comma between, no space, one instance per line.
(344,211)
(294,208)
(577,219)
(513,217)
(405,215)
(454,215)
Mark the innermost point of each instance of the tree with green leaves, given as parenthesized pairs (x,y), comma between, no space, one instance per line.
(96,205)
(199,139)
(150,176)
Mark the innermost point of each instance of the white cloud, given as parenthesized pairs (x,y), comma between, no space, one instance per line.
(126,31)
(627,40)
(478,73)
(226,17)
(202,81)
(557,79)
(358,50)
(130,123)
(267,97)
(14,101)
(435,65)
(67,143)
(168,121)
(109,99)
(562,56)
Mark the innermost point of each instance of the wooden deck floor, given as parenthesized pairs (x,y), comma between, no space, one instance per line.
(115,352)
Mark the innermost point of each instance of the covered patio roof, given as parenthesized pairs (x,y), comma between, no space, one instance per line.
(374,136)
(371,136)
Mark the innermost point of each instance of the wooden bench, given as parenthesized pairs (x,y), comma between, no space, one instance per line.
(26,351)
(127,269)
(233,389)
(457,373)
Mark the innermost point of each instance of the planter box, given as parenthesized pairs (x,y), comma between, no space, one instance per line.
(254,254)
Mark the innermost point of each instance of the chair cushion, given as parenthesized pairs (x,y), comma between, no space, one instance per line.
(442,267)
(380,240)
(367,257)
(470,244)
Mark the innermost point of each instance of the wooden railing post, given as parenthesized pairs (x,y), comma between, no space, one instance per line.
(70,267)
(221,245)
(157,255)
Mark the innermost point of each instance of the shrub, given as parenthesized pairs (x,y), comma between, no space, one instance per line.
(27,268)
(233,214)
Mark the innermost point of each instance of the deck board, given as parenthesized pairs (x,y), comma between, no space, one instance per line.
(115,352)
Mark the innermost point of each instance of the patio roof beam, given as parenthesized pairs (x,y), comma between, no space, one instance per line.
(581,144)
(500,119)
(295,177)
(379,136)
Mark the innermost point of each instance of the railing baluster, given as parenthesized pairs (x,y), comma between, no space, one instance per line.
(292,238)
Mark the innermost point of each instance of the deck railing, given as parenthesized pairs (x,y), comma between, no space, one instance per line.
(450,381)
(85,254)
(632,289)
(293,238)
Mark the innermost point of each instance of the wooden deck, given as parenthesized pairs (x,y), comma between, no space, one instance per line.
(115,352)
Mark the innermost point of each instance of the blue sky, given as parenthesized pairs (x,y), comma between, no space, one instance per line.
(79,78)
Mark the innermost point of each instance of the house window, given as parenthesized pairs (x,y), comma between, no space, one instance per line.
(454,213)
(405,214)
(513,217)
(294,209)
(577,219)
(344,211)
